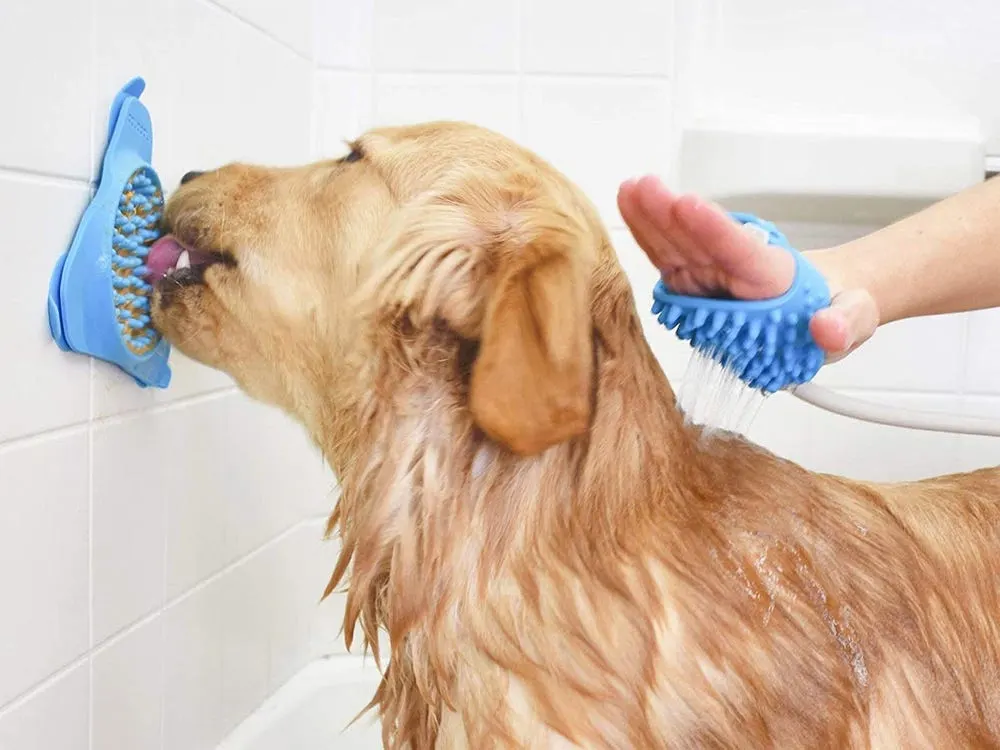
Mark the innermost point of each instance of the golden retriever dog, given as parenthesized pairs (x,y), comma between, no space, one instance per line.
(559,559)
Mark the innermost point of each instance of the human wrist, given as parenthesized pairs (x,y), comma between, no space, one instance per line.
(850,268)
(836,266)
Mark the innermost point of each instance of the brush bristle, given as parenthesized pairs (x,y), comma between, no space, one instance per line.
(136,228)
(767,349)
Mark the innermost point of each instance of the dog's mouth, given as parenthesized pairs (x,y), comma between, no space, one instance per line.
(170,257)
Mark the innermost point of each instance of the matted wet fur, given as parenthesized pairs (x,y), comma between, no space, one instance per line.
(558,559)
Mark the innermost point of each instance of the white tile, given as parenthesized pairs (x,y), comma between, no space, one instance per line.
(982,364)
(129,522)
(47,87)
(342,33)
(672,353)
(288,480)
(599,132)
(491,102)
(195,455)
(826,442)
(192,659)
(241,96)
(319,503)
(54,718)
(275,95)
(289,22)
(327,617)
(295,583)
(122,54)
(271,616)
(204,53)
(44,387)
(234,474)
(921,354)
(43,560)
(450,35)
(621,38)
(343,111)
(117,393)
(128,690)
(246,626)
(974,451)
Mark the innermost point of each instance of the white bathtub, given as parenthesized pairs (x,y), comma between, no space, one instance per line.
(312,711)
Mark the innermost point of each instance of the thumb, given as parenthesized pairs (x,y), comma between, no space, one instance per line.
(849,322)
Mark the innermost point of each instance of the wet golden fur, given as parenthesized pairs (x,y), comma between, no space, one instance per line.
(558,559)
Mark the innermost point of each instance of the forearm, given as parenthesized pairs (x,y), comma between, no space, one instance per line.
(943,259)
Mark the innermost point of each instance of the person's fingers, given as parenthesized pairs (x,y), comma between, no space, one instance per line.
(706,227)
(755,269)
(849,321)
(645,225)
(655,202)
(636,223)
(697,246)
(657,206)
(690,215)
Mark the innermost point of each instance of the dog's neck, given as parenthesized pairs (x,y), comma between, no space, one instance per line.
(417,475)
(433,515)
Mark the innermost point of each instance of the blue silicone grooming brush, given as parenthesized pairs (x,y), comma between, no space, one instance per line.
(98,297)
(766,343)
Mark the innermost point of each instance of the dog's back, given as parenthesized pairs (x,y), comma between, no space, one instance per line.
(898,583)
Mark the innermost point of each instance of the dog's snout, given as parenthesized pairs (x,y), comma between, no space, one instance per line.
(188,176)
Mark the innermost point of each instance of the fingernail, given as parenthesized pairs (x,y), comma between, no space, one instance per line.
(848,336)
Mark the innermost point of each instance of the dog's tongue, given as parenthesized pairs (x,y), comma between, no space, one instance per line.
(163,256)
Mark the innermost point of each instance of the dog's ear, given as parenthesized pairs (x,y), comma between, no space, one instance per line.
(531,382)
(505,267)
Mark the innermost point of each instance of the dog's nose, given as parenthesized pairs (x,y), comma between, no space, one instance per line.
(190,176)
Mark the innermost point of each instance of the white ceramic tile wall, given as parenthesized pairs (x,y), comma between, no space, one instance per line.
(445,35)
(56,716)
(873,58)
(158,549)
(490,101)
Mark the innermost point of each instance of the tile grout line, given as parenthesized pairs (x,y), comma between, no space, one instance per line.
(192,400)
(674,97)
(111,640)
(259,29)
(314,114)
(114,419)
(372,76)
(207,581)
(91,377)
(516,71)
(42,685)
(159,613)
(90,561)
(43,177)
(519,44)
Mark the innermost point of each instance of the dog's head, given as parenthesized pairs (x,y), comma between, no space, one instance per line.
(440,243)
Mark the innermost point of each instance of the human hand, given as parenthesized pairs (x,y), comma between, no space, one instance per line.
(700,250)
